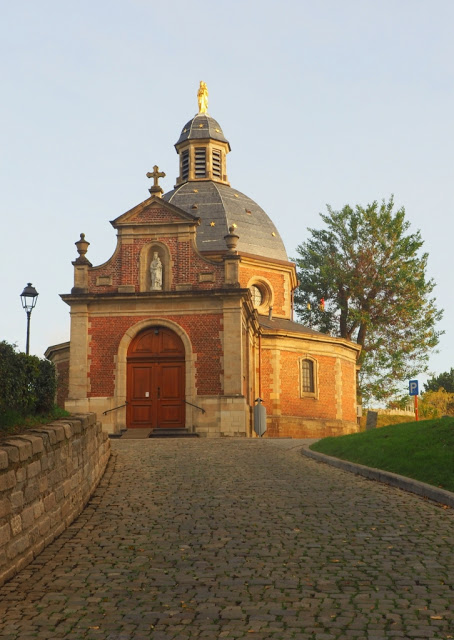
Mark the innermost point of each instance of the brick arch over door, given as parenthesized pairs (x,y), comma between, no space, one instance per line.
(121,366)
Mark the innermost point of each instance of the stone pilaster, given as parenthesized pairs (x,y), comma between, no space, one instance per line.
(78,364)
(232,347)
(338,391)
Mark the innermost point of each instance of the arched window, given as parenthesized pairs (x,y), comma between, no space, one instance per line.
(308,377)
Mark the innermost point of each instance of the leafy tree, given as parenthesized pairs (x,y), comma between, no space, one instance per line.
(372,277)
(445,380)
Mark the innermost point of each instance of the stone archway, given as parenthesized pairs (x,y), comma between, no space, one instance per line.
(121,367)
(155,380)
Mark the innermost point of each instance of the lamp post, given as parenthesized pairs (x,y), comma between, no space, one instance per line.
(28,298)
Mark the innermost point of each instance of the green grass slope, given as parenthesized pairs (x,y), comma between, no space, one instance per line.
(421,450)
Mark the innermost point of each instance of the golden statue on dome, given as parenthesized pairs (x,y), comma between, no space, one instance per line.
(202,97)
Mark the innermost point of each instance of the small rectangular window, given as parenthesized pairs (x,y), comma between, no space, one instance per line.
(200,162)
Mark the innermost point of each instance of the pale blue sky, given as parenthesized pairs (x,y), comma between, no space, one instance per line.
(322,102)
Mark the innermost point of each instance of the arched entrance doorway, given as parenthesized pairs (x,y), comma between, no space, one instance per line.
(155,380)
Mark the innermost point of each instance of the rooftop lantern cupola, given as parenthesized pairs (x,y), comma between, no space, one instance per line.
(202,146)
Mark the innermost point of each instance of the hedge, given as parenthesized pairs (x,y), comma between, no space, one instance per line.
(27,383)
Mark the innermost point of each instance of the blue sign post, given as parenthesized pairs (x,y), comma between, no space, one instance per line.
(413,387)
(413,390)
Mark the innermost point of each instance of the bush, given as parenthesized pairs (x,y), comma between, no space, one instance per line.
(435,404)
(9,370)
(46,386)
(27,384)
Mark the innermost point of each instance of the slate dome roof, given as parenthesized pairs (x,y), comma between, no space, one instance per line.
(202,126)
(219,206)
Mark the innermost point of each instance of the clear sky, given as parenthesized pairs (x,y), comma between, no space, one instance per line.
(323,102)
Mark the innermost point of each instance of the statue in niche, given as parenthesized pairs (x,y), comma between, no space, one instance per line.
(156,273)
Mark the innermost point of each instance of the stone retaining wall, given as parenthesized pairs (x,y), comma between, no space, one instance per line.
(47,475)
(395,412)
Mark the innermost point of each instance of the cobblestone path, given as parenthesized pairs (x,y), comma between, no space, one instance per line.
(238,539)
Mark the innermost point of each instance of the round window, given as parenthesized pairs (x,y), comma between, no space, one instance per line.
(257,297)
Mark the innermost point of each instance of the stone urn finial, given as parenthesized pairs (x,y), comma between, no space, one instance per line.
(231,239)
(82,246)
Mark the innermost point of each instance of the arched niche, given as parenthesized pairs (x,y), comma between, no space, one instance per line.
(146,256)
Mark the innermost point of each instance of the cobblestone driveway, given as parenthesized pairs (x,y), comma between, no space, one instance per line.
(238,539)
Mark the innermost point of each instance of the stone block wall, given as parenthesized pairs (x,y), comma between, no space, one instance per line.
(297,427)
(47,475)
(224,417)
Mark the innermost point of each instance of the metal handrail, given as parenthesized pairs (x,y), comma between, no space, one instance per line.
(194,405)
(114,409)
(124,405)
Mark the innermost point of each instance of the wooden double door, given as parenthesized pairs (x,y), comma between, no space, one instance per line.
(156,380)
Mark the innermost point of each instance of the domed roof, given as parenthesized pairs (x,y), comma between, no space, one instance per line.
(219,207)
(202,126)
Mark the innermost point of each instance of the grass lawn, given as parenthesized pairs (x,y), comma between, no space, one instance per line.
(421,450)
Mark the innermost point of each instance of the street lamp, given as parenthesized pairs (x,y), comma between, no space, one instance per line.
(28,298)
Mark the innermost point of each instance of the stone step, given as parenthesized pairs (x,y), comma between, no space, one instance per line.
(173,433)
(135,434)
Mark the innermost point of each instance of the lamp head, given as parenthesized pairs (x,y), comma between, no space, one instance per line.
(29,297)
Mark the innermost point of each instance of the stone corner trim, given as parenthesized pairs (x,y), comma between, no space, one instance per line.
(47,476)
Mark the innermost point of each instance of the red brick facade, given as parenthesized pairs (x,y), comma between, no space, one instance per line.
(275,279)
(105,334)
(231,357)
(291,401)
(124,267)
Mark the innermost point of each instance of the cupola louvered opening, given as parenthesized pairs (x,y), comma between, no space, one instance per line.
(200,162)
(185,164)
(217,163)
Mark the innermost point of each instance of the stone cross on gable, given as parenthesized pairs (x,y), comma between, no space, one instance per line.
(156,190)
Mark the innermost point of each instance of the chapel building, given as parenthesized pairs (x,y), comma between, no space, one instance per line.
(191,319)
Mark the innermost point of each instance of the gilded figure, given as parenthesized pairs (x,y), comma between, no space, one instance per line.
(202,97)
